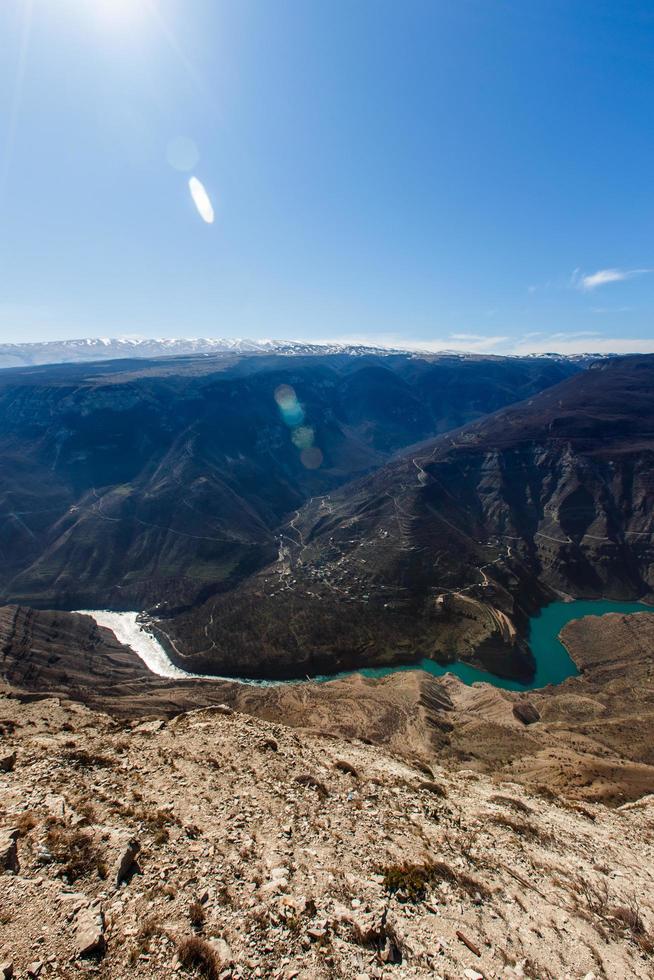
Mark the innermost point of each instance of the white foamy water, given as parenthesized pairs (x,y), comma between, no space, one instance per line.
(130,633)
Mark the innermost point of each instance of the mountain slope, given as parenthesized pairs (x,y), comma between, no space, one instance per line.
(445,551)
(162,482)
(279,856)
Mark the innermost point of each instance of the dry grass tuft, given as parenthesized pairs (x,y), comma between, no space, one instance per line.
(343,766)
(423,768)
(513,803)
(522,828)
(75,850)
(25,822)
(411,882)
(611,920)
(434,788)
(197,915)
(197,954)
(88,760)
(143,939)
(313,783)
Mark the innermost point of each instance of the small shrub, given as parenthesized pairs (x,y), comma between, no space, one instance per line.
(197,954)
(513,803)
(629,917)
(88,760)
(75,850)
(143,939)
(435,788)
(523,829)
(343,766)
(197,915)
(311,781)
(26,821)
(412,881)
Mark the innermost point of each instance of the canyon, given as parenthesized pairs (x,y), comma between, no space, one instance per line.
(400,825)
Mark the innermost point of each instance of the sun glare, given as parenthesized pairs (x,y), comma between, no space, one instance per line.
(119,12)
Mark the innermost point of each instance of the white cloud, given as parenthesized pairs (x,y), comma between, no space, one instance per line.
(537,342)
(572,335)
(477,337)
(576,344)
(473,342)
(586,283)
(611,309)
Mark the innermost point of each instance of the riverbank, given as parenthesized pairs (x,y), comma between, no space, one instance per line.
(553,662)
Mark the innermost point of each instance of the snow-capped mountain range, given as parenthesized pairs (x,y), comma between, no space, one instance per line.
(105,349)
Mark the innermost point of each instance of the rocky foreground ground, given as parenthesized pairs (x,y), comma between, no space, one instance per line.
(217,845)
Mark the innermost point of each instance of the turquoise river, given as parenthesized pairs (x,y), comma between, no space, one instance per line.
(553,664)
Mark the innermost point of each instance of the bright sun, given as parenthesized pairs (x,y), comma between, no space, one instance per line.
(119,11)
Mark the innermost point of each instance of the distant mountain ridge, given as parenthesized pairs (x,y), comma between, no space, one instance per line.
(89,349)
(105,348)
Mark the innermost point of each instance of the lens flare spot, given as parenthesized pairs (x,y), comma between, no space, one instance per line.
(285,395)
(182,153)
(303,437)
(201,200)
(311,458)
(289,406)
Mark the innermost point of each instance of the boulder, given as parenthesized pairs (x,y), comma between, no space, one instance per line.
(150,727)
(9,851)
(6,970)
(7,761)
(221,709)
(526,712)
(89,935)
(126,864)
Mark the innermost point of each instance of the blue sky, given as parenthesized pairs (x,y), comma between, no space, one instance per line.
(472,174)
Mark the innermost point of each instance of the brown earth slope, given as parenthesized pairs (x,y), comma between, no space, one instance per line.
(218,845)
(589,739)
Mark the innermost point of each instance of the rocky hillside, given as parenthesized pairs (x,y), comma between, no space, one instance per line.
(446,551)
(134,484)
(587,738)
(217,845)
